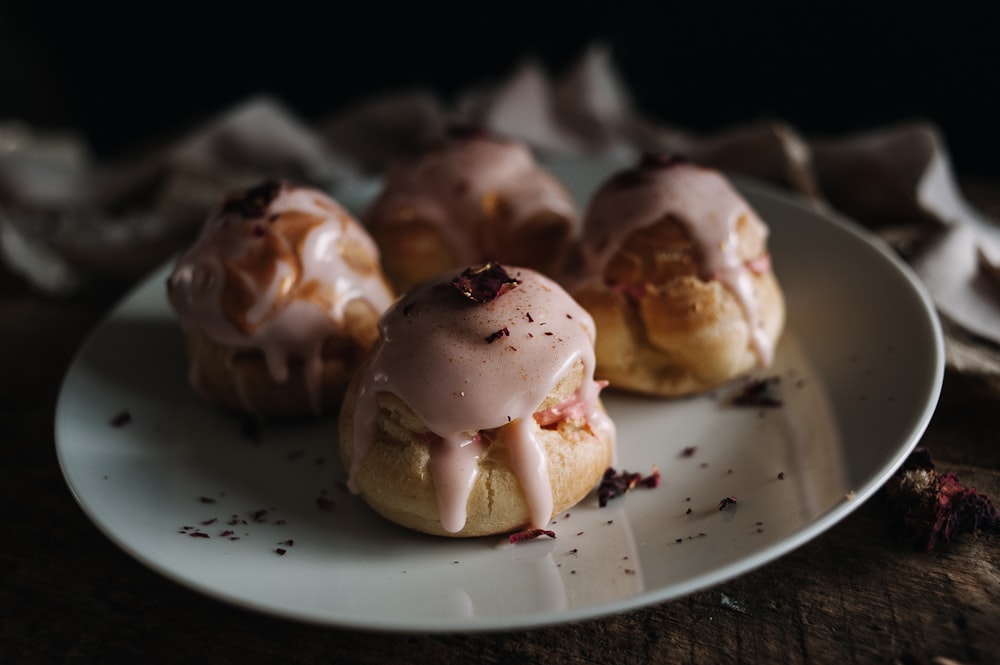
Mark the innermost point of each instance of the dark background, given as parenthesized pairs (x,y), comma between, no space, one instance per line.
(128,74)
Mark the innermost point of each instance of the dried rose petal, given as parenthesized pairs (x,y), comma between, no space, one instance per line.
(254,201)
(758,392)
(652,481)
(492,337)
(484,283)
(961,510)
(934,507)
(616,484)
(530,534)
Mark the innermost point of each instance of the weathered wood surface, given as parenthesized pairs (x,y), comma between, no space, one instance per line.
(853,595)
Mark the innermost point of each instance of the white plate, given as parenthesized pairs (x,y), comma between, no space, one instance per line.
(861,366)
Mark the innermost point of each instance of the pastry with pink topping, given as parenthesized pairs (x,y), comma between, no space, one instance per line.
(477,412)
(279,298)
(676,273)
(472,197)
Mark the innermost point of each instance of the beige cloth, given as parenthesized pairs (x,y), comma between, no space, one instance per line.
(64,218)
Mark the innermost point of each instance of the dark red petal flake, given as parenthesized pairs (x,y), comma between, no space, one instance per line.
(727,502)
(618,483)
(759,392)
(492,337)
(254,201)
(484,283)
(530,534)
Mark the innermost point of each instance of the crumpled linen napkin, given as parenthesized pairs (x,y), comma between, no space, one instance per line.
(64,218)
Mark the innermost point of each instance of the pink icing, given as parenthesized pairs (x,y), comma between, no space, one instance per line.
(706,204)
(576,405)
(461,184)
(271,271)
(434,354)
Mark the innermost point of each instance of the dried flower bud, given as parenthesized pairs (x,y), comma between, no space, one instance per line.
(935,508)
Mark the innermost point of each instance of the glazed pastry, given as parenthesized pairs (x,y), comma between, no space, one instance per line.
(472,198)
(279,298)
(477,412)
(676,273)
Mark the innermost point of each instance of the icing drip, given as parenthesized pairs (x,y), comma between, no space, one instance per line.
(454,467)
(273,269)
(447,359)
(528,462)
(710,210)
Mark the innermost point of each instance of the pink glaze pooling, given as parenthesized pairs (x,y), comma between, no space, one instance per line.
(435,354)
(463,183)
(273,269)
(708,207)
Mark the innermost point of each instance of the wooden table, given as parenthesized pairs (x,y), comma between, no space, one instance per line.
(855,594)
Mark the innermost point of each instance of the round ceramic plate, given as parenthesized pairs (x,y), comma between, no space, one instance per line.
(258,516)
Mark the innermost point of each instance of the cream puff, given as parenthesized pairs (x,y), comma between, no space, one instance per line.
(477,412)
(676,272)
(470,198)
(279,299)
